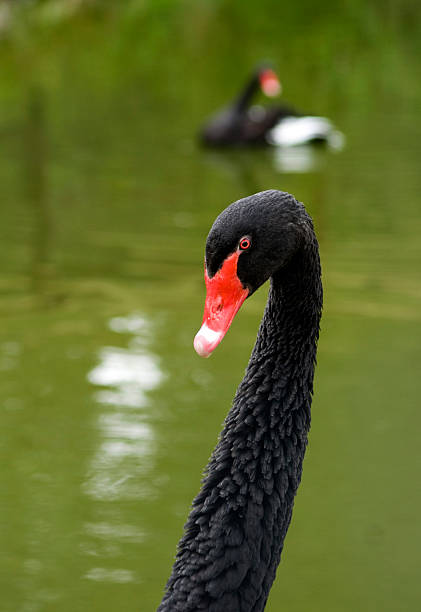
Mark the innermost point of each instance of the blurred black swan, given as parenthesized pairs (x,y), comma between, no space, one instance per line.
(240,123)
(227,559)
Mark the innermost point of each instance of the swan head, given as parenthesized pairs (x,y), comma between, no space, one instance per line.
(269,83)
(249,242)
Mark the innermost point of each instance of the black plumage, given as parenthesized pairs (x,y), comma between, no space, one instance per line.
(234,535)
(239,123)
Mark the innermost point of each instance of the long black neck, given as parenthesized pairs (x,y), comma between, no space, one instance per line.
(244,99)
(227,558)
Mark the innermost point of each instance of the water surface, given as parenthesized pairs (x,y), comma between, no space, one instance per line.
(108,416)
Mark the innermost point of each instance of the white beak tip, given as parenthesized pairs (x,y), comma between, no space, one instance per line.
(206,340)
(200,347)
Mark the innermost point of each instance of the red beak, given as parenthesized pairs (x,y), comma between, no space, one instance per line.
(224,296)
(270,84)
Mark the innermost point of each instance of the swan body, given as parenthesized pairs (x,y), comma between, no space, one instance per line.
(296,131)
(240,123)
(227,558)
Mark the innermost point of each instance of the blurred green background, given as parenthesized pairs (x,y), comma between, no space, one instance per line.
(107,414)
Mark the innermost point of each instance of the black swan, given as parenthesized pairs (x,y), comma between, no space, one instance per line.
(243,124)
(227,559)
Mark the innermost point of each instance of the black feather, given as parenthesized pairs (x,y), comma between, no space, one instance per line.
(227,558)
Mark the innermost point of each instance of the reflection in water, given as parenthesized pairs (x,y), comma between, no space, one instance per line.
(299,159)
(36,188)
(129,373)
(9,355)
(127,438)
(101,574)
(119,467)
(109,532)
(304,158)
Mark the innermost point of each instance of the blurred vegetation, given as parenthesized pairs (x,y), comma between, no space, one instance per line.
(111,45)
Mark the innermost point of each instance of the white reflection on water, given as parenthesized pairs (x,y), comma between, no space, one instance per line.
(299,159)
(303,158)
(9,355)
(132,324)
(127,445)
(100,574)
(120,468)
(110,532)
(130,372)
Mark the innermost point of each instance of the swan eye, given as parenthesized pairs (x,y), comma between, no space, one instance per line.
(244,244)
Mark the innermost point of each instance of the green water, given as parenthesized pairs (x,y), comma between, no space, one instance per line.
(107,414)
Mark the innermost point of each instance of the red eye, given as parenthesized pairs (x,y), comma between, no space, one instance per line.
(245,243)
